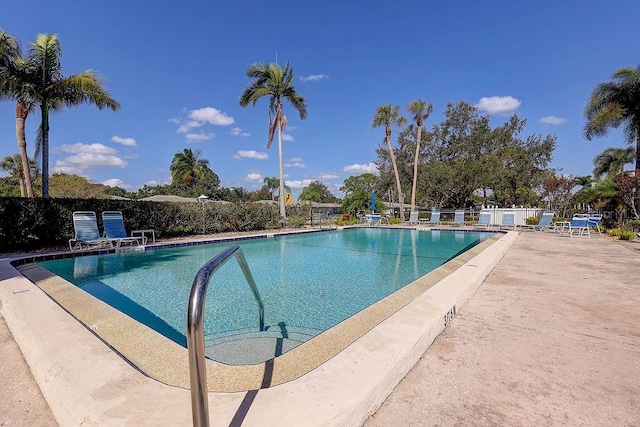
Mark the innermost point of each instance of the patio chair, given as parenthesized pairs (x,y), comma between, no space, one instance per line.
(85,225)
(509,219)
(114,230)
(579,224)
(413,217)
(484,219)
(458,218)
(546,222)
(434,219)
(594,221)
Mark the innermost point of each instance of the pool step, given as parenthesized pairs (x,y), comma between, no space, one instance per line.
(250,347)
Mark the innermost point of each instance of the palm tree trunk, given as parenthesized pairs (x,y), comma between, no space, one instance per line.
(395,171)
(283,212)
(21,117)
(415,169)
(21,184)
(44,109)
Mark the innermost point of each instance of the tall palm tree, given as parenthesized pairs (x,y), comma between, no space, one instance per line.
(272,183)
(276,83)
(187,166)
(616,103)
(13,86)
(387,116)
(53,91)
(421,111)
(612,160)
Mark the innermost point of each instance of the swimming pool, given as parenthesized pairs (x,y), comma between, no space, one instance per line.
(309,283)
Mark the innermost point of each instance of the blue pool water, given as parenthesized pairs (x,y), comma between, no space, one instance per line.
(309,281)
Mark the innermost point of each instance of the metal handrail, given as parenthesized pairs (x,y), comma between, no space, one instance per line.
(195,329)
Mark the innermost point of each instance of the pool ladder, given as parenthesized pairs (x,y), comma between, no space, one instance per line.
(195,329)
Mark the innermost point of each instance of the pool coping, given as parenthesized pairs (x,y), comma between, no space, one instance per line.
(343,390)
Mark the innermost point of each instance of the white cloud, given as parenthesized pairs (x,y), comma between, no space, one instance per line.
(329,175)
(198,137)
(250,154)
(238,132)
(295,163)
(115,182)
(498,104)
(287,137)
(297,185)
(295,159)
(79,147)
(85,160)
(253,177)
(552,120)
(124,141)
(153,182)
(202,116)
(314,77)
(360,169)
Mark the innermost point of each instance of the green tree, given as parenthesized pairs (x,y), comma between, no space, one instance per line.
(317,192)
(421,111)
(616,103)
(276,84)
(187,166)
(13,86)
(272,183)
(388,116)
(66,185)
(357,190)
(51,90)
(612,160)
(556,189)
(13,166)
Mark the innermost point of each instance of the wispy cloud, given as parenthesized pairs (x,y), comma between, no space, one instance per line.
(295,162)
(198,137)
(498,104)
(250,154)
(238,132)
(83,156)
(287,137)
(115,182)
(314,77)
(552,120)
(329,175)
(253,177)
(201,117)
(297,185)
(124,141)
(360,169)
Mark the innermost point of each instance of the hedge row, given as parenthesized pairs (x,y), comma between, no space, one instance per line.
(32,224)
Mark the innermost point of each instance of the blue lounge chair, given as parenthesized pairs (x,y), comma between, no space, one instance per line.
(546,222)
(580,225)
(484,219)
(433,220)
(86,230)
(114,230)
(509,219)
(594,221)
(458,218)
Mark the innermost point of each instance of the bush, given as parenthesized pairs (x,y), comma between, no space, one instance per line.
(622,234)
(532,220)
(296,221)
(393,221)
(31,224)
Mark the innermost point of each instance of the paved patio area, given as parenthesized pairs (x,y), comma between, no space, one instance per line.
(552,337)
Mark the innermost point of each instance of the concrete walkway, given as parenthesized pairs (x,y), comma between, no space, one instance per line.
(552,337)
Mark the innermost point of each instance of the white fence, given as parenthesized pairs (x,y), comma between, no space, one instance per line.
(521,214)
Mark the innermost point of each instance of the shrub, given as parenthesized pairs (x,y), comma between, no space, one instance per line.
(393,221)
(622,234)
(296,221)
(532,220)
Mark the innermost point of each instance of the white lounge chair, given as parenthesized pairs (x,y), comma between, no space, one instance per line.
(509,219)
(86,230)
(458,218)
(484,218)
(413,217)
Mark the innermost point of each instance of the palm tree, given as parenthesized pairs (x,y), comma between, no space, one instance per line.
(387,116)
(421,111)
(616,103)
(13,165)
(272,183)
(187,166)
(53,91)
(612,160)
(276,83)
(12,86)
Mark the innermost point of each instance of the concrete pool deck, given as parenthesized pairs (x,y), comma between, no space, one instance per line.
(446,392)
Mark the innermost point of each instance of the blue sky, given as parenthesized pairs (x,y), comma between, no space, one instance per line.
(178,68)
